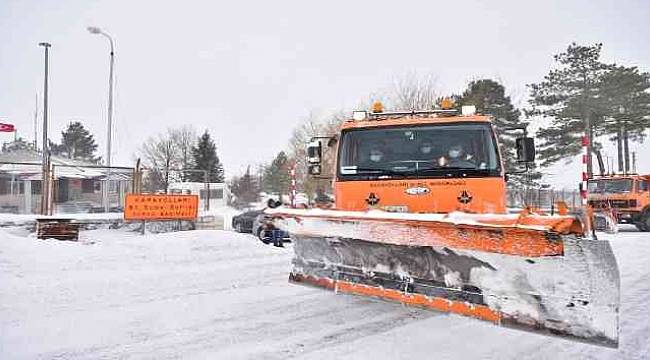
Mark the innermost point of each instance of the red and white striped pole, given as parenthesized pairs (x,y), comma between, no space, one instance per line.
(588,229)
(292,173)
(585,173)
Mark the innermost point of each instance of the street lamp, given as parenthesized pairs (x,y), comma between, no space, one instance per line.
(45,176)
(98,31)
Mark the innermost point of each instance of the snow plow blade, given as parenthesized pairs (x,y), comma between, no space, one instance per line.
(528,272)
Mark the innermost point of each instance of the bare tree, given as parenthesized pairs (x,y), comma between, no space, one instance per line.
(408,92)
(413,92)
(298,142)
(184,139)
(160,154)
(311,126)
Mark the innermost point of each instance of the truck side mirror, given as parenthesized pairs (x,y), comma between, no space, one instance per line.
(314,155)
(314,152)
(525,149)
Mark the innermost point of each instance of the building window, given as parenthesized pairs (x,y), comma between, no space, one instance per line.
(36,187)
(11,187)
(87,186)
(5,188)
(214,193)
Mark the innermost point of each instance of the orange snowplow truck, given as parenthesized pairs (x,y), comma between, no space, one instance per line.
(627,196)
(420,218)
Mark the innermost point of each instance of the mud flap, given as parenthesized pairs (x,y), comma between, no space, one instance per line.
(560,285)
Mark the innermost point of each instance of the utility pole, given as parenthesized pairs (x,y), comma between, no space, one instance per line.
(45,187)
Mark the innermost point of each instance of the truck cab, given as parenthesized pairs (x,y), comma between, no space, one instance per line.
(628,196)
(434,161)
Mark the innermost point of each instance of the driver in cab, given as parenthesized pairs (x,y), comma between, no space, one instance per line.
(457,158)
(375,159)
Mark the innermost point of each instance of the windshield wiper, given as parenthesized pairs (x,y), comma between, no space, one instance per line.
(445,168)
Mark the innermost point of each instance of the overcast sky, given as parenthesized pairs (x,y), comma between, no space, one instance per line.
(250,71)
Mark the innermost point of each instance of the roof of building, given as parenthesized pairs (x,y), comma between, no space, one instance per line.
(26,165)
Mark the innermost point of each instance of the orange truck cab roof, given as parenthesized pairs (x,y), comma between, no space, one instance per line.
(380,120)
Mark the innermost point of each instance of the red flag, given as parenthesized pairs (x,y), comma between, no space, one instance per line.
(7,127)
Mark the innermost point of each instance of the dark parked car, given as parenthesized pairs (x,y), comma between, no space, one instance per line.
(244,221)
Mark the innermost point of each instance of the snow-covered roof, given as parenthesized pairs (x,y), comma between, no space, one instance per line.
(30,167)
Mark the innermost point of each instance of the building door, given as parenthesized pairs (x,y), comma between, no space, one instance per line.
(62,190)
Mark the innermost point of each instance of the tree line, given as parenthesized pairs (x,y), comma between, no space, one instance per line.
(581,94)
(177,154)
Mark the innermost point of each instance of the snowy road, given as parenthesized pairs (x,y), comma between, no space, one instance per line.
(221,295)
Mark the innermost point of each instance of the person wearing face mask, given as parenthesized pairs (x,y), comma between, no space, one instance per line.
(457,157)
(425,150)
(376,155)
(375,158)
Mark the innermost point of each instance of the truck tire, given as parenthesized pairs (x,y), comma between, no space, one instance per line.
(261,234)
(644,223)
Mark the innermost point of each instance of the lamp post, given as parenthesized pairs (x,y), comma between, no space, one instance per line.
(45,162)
(98,31)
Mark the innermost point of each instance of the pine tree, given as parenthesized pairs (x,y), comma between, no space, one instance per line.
(571,97)
(245,189)
(205,158)
(76,143)
(626,94)
(276,175)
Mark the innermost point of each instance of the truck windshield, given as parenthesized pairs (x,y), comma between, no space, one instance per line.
(610,185)
(447,150)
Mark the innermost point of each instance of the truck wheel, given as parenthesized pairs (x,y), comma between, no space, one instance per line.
(261,234)
(644,224)
(238,227)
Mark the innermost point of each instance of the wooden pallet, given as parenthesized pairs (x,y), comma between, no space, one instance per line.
(60,229)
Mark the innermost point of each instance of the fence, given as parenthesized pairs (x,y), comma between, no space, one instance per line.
(542,198)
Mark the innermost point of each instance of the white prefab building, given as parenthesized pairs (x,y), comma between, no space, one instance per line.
(213,194)
(76,184)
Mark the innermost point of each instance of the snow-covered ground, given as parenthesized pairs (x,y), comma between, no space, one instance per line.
(222,295)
